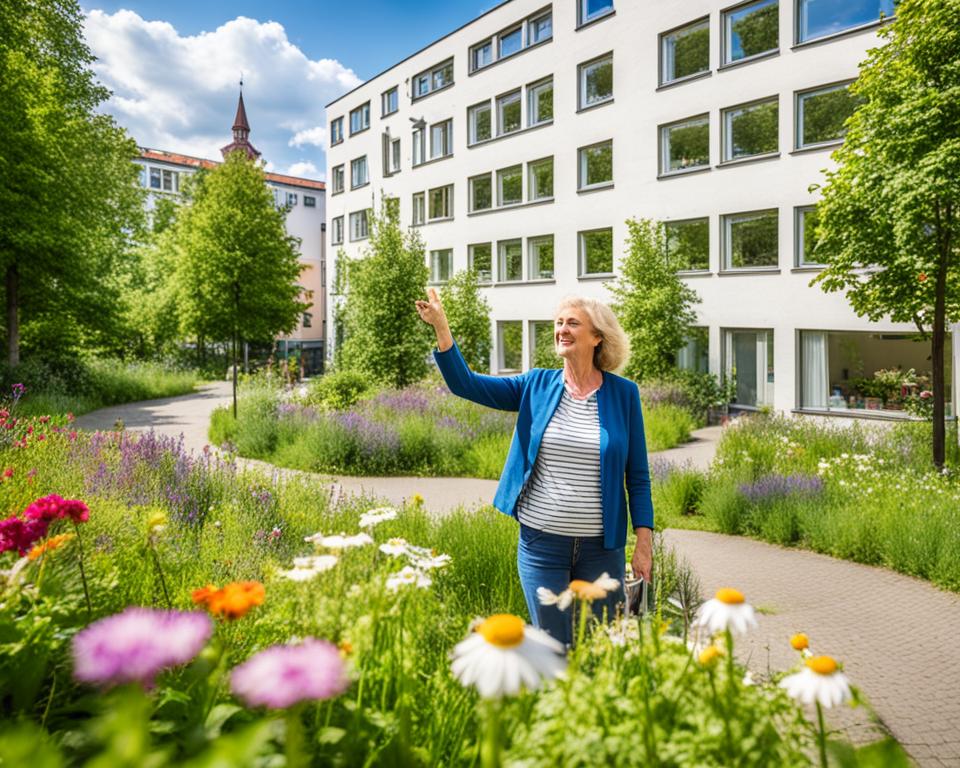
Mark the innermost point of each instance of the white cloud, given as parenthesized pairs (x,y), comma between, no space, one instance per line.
(304,168)
(179,93)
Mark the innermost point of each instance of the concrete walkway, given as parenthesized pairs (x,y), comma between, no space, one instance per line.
(893,633)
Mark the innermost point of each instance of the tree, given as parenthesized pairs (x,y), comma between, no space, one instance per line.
(468,313)
(890,212)
(70,205)
(237,269)
(384,337)
(652,303)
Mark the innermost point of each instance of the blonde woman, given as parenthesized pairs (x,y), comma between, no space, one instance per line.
(578,452)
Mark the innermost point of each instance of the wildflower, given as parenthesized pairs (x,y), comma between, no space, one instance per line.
(234,601)
(376,516)
(340,541)
(922,277)
(306,568)
(580,589)
(284,675)
(136,645)
(8,473)
(408,577)
(726,611)
(54,542)
(417,500)
(394,547)
(820,680)
(709,656)
(20,535)
(54,507)
(157,521)
(800,642)
(503,655)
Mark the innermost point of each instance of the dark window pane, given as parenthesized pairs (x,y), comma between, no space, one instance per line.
(482,193)
(688,145)
(823,115)
(482,263)
(753,241)
(752,130)
(599,82)
(688,244)
(597,251)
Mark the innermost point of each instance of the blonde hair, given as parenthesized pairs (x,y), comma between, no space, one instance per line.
(613,351)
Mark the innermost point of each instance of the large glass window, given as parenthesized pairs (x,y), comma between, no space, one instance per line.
(805,223)
(480,123)
(441,139)
(337,179)
(685,145)
(540,102)
(819,18)
(419,208)
(481,192)
(588,10)
(358,172)
(441,265)
(509,42)
(543,350)
(510,257)
(390,101)
(821,114)
(695,354)
(749,364)
(510,345)
(540,28)
(540,183)
(751,30)
(685,51)
(750,240)
(358,225)
(596,165)
(433,79)
(440,203)
(688,244)
(540,254)
(336,230)
(481,55)
(336,131)
(751,130)
(596,81)
(360,118)
(510,185)
(508,113)
(480,260)
(596,252)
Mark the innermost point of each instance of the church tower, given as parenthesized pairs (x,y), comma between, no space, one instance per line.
(241,133)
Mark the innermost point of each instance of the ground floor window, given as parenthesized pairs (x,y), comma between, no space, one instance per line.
(748,363)
(694,355)
(510,343)
(543,352)
(880,372)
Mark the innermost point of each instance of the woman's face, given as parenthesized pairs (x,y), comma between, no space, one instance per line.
(574,335)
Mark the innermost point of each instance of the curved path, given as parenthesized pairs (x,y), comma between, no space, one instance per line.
(893,633)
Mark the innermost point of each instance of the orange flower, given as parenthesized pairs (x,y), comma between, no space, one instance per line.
(232,601)
(922,277)
(54,542)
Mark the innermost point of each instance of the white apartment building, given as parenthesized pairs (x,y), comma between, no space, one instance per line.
(520,143)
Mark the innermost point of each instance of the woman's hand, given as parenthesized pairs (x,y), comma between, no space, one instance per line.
(642,560)
(431,312)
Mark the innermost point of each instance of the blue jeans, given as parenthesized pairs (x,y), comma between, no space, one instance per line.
(553,561)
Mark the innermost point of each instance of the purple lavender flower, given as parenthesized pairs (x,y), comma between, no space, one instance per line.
(137,644)
(778,486)
(283,675)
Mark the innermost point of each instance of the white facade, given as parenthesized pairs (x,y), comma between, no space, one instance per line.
(818,43)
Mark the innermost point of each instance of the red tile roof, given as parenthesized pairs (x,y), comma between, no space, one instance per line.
(173,158)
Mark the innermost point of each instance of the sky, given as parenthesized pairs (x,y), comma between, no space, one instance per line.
(174,66)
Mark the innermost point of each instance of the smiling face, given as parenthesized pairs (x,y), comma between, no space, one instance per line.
(573,334)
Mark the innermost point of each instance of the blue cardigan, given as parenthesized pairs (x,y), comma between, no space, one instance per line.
(536,395)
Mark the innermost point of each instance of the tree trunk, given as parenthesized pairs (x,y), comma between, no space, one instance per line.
(13,325)
(939,337)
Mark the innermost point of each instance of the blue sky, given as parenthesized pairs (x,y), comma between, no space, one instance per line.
(173,66)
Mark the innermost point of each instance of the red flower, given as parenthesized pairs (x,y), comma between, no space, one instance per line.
(73,436)
(70,417)
(54,507)
(21,534)
(922,277)
(41,437)
(44,419)
(8,473)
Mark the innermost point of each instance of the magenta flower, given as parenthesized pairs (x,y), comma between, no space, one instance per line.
(21,535)
(283,675)
(54,507)
(137,644)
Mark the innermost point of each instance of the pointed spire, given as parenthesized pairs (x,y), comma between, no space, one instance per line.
(241,131)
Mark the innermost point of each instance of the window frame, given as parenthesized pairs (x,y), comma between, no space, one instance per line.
(385,101)
(418,140)
(366,225)
(309,201)
(336,131)
(583,18)
(582,253)
(532,90)
(499,190)
(799,238)
(336,188)
(582,186)
(336,230)
(477,47)
(395,156)
(431,74)
(364,110)
(446,128)
(472,111)
(501,260)
(435,278)
(726,351)
(532,243)
(447,190)
(366,172)
(662,40)
(506,33)
(495,41)
(418,212)
(726,240)
(666,241)
(799,109)
(664,153)
(798,25)
(510,97)
(532,186)
(471,262)
(582,82)
(470,191)
(726,39)
(726,132)
(501,361)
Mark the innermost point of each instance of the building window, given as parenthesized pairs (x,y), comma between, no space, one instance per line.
(358,172)
(390,101)
(336,131)
(358,225)
(168,181)
(433,79)
(596,165)
(360,118)
(337,180)
(596,252)
(510,185)
(441,139)
(750,240)
(540,102)
(685,52)
(819,18)
(481,55)
(307,320)
(510,257)
(509,42)
(291,199)
(478,117)
(441,203)
(336,230)
(751,130)
(540,254)
(394,160)
(419,142)
(536,29)
(543,349)
(419,208)
(309,201)
(540,28)
(508,113)
(749,364)
(540,181)
(510,345)
(588,10)
(695,354)
(596,81)
(688,244)
(685,145)
(441,265)
(805,226)
(479,257)
(481,192)
(821,114)
(751,30)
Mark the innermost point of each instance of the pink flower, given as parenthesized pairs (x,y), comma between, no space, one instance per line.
(8,473)
(54,507)
(926,394)
(283,675)
(20,535)
(136,645)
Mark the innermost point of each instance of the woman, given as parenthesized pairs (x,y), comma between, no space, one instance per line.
(578,441)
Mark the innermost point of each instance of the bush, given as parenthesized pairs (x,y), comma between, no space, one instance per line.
(667,426)
(694,391)
(338,390)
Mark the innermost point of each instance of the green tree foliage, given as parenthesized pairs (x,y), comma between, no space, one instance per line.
(754,130)
(468,313)
(653,305)
(384,337)
(759,30)
(544,349)
(893,202)
(236,269)
(691,52)
(70,205)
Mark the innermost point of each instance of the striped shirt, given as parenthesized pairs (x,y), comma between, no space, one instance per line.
(562,495)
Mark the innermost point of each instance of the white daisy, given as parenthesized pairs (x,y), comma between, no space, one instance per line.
(429,563)
(339,541)
(408,577)
(503,655)
(318,563)
(376,516)
(395,547)
(727,610)
(820,680)
(579,589)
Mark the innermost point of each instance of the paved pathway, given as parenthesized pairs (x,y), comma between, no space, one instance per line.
(893,633)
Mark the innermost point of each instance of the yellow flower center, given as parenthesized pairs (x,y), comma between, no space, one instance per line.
(730,596)
(800,642)
(822,665)
(503,630)
(709,655)
(587,590)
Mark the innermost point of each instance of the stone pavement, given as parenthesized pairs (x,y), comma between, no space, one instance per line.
(891,632)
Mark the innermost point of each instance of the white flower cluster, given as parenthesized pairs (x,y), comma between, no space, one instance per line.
(420,559)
